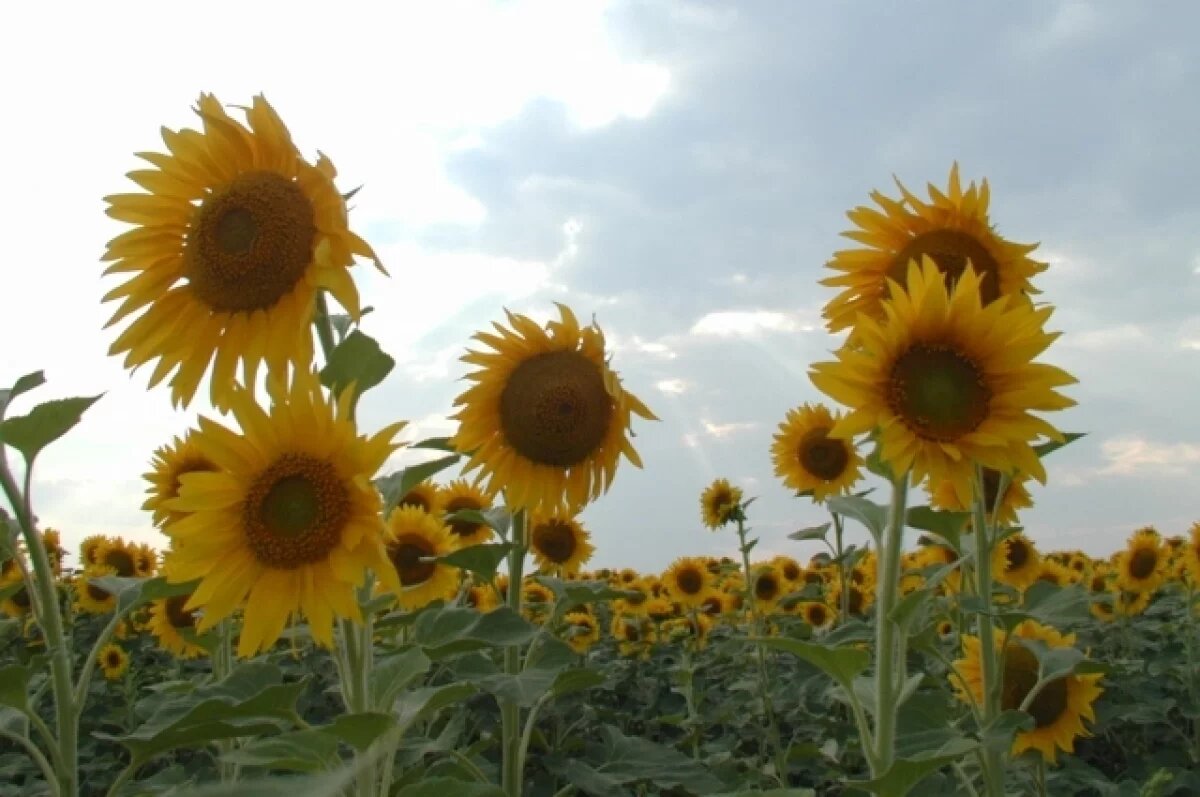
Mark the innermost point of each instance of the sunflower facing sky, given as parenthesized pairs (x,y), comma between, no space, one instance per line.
(232,240)
(807,459)
(547,420)
(290,523)
(948,382)
(952,229)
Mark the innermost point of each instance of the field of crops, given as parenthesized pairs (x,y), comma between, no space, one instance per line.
(312,625)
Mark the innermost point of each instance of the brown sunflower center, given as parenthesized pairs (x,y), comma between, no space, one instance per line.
(177,616)
(822,455)
(631,632)
(112,660)
(555,409)
(21,599)
(938,392)
(712,605)
(856,601)
(1016,554)
(411,555)
(766,587)
(250,242)
(720,504)
(418,498)
(97,594)
(463,528)
(791,571)
(1020,676)
(294,512)
(555,539)
(950,251)
(690,581)
(121,561)
(816,614)
(1142,562)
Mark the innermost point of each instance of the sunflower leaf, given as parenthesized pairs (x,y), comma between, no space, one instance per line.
(868,513)
(1049,447)
(44,424)
(479,559)
(22,385)
(13,682)
(397,485)
(810,533)
(357,361)
(436,443)
(842,664)
(906,773)
(944,523)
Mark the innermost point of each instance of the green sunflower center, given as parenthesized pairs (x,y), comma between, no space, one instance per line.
(1143,562)
(690,581)
(250,242)
(294,512)
(555,540)
(555,409)
(1020,676)
(177,616)
(939,393)
(412,555)
(951,251)
(823,456)
(463,528)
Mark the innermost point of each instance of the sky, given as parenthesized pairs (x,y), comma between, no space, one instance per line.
(678,170)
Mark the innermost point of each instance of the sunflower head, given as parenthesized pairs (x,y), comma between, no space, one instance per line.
(89,550)
(52,542)
(767,586)
(559,543)
(1016,497)
(1141,567)
(424,496)
(720,503)
(808,460)
(817,614)
(948,382)
(1016,562)
(581,631)
(415,540)
(460,496)
(169,620)
(169,462)
(113,661)
(951,229)
(688,581)
(547,420)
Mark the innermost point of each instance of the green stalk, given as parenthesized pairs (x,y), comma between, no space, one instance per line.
(993,770)
(44,597)
(222,665)
(1189,631)
(839,553)
(510,712)
(887,651)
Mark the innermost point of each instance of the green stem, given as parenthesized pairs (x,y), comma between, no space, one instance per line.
(38,758)
(324,326)
(887,651)
(1189,631)
(993,769)
(510,712)
(840,554)
(44,597)
(222,664)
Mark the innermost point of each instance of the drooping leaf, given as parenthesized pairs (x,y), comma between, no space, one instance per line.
(23,385)
(872,515)
(906,773)
(357,360)
(14,682)
(360,730)
(44,424)
(394,673)
(311,750)
(843,664)
(1050,446)
(451,631)
(810,533)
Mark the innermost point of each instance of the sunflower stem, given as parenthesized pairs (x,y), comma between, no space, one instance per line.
(993,767)
(324,327)
(840,558)
(44,599)
(510,712)
(222,665)
(887,651)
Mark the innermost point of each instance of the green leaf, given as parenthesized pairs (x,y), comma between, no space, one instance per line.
(908,607)
(299,751)
(360,730)
(569,681)
(905,773)
(868,513)
(480,559)
(22,385)
(452,631)
(1054,605)
(843,664)
(14,682)
(357,360)
(133,592)
(944,523)
(632,759)
(47,422)
(810,533)
(440,787)
(397,485)
(321,784)
(569,595)
(1049,447)
(998,735)
(420,703)
(393,674)
(437,444)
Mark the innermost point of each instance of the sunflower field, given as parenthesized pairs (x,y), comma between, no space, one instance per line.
(313,625)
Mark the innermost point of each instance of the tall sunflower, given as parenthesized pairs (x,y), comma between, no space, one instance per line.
(952,229)
(688,581)
(948,382)
(1142,566)
(719,502)
(290,522)
(1016,496)
(231,243)
(458,496)
(415,540)
(1058,709)
(807,459)
(546,419)
(559,543)
(169,462)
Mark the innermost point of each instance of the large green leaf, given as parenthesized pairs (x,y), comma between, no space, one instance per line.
(394,673)
(944,523)
(14,682)
(357,360)
(417,704)
(47,422)
(480,559)
(619,760)
(396,485)
(868,513)
(906,773)
(360,730)
(810,533)
(133,592)
(310,750)
(442,787)
(22,385)
(451,631)
(843,664)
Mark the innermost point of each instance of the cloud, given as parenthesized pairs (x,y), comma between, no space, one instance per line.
(746,324)
(723,430)
(671,386)
(1135,455)
(1119,336)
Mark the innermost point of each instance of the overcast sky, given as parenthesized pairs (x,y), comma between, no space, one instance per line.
(680,170)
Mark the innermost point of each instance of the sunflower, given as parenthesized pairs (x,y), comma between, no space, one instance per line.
(790,569)
(168,463)
(1054,573)
(944,628)
(807,459)
(168,620)
(458,496)
(231,244)
(113,661)
(948,382)
(537,601)
(716,603)
(90,548)
(90,599)
(768,587)
(559,543)
(661,609)
(52,542)
(1016,496)
(688,581)
(546,419)
(291,521)
(415,540)
(720,503)
(1129,604)
(121,556)
(18,604)
(581,631)
(635,635)
(1141,567)
(816,614)
(637,594)
(1060,706)
(860,598)
(691,631)
(1192,552)
(482,598)
(423,495)
(1016,562)
(952,230)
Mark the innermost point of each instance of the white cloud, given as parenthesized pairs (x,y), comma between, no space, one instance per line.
(671,386)
(723,430)
(1133,455)
(1106,338)
(745,324)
